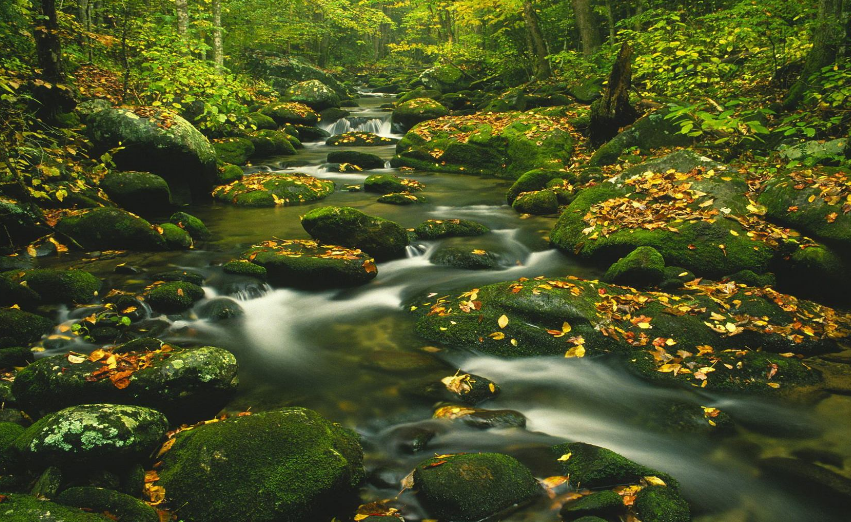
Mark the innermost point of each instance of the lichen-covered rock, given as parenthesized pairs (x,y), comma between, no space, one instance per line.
(287,465)
(409,113)
(111,229)
(102,500)
(401,198)
(465,258)
(93,435)
(19,507)
(191,383)
(359,139)
(19,328)
(363,160)
(642,267)
(350,227)
(271,143)
(52,285)
(539,202)
(651,131)
(140,192)
(293,113)
(504,145)
(303,263)
(157,141)
(191,224)
(233,150)
(440,228)
(269,190)
(314,94)
(470,487)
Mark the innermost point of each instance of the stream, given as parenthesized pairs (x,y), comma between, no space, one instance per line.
(349,354)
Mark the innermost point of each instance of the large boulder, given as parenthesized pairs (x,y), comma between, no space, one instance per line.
(503,145)
(184,383)
(642,267)
(110,229)
(271,143)
(363,160)
(651,131)
(445,78)
(19,328)
(140,192)
(350,227)
(233,150)
(269,190)
(414,111)
(19,507)
(70,286)
(284,71)
(309,264)
(314,94)
(284,113)
(157,141)
(96,435)
(101,500)
(20,223)
(287,465)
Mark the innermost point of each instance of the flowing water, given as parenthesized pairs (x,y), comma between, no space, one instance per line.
(350,353)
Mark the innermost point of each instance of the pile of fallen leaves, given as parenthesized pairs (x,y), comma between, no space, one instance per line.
(97,82)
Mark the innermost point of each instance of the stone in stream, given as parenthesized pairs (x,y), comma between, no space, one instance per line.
(175,237)
(20,223)
(140,192)
(538,203)
(359,139)
(220,309)
(92,435)
(157,141)
(228,173)
(245,268)
(54,286)
(465,258)
(724,335)
(269,190)
(306,133)
(363,160)
(482,419)
(19,507)
(19,328)
(173,297)
(271,143)
(441,228)
(350,227)
(185,276)
(262,121)
(314,94)
(409,113)
(290,112)
(461,387)
(239,470)
(503,145)
(310,264)
(446,78)
(110,229)
(471,487)
(184,383)
(401,198)
(100,500)
(388,183)
(532,181)
(233,150)
(605,504)
(812,480)
(641,268)
(191,224)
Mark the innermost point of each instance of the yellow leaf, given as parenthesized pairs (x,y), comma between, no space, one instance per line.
(773,384)
(502,321)
(576,351)
(565,457)
(654,481)
(498,336)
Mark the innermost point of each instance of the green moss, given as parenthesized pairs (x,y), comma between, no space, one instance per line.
(246,268)
(401,198)
(594,467)
(239,469)
(111,228)
(262,121)
(383,184)
(649,132)
(233,150)
(541,202)
(661,504)
(269,190)
(314,94)
(228,174)
(9,431)
(137,191)
(174,297)
(465,258)
(473,486)
(291,113)
(59,286)
(19,328)
(271,143)
(363,160)
(359,139)
(350,227)
(27,508)
(15,356)
(436,229)
(411,112)
(102,500)
(751,278)
(175,237)
(191,224)
(603,504)
(532,181)
(642,267)
(187,276)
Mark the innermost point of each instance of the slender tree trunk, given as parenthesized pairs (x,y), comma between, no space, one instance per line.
(218,52)
(639,10)
(610,17)
(613,110)
(827,37)
(539,46)
(47,45)
(589,35)
(182,8)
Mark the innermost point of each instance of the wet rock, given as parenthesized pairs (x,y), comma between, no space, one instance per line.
(349,227)
(111,229)
(15,262)
(157,141)
(220,309)
(26,508)
(661,504)
(271,143)
(175,237)
(604,504)
(532,181)
(92,435)
(384,184)
(401,198)
(402,362)
(411,439)
(594,467)
(359,139)
(437,229)
(361,159)
(245,268)
(409,113)
(461,387)
(58,286)
(15,356)
(216,471)
(262,121)
(473,486)
(445,78)
(102,500)
(293,113)
(820,456)
(20,223)
(191,383)
(314,94)
(309,264)
(48,483)
(191,224)
(651,131)
(140,192)
(9,431)
(269,190)
(173,297)
(681,417)
(465,258)
(503,145)
(539,203)
(186,276)
(811,480)
(233,150)
(482,419)
(307,134)
(228,173)
(333,114)
(19,328)
(641,268)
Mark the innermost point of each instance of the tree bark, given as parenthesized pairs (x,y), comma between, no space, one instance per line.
(182,8)
(610,18)
(539,46)
(218,51)
(589,35)
(613,110)
(47,45)
(827,37)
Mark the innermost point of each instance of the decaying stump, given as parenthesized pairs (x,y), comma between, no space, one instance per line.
(613,110)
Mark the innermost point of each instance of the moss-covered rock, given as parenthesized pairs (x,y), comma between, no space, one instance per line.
(20,223)
(481,419)
(652,131)
(102,500)
(419,92)
(271,143)
(239,470)
(191,224)
(504,145)
(588,90)
(539,202)
(27,508)
(308,134)
(532,181)
(140,192)
(595,467)
(220,309)
(228,174)
(605,504)
(186,276)
(262,121)
(401,198)
(641,268)
(293,113)
(175,237)
(111,229)
(93,435)
(661,504)
(173,297)
(445,78)
(233,150)
(269,190)
(9,432)
(363,160)
(19,328)
(409,113)
(12,293)
(473,486)
(440,228)
(465,258)
(383,184)
(460,387)
(350,227)
(359,139)
(816,271)
(157,141)
(314,94)
(309,264)
(185,383)
(70,286)
(246,268)
(15,356)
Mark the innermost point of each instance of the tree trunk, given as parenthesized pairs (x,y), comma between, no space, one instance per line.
(218,53)
(639,10)
(613,110)
(588,33)
(610,17)
(827,37)
(182,8)
(539,47)
(47,46)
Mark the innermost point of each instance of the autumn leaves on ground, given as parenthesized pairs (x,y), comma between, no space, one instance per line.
(696,162)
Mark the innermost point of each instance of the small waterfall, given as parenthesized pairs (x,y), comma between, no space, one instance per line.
(381,126)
